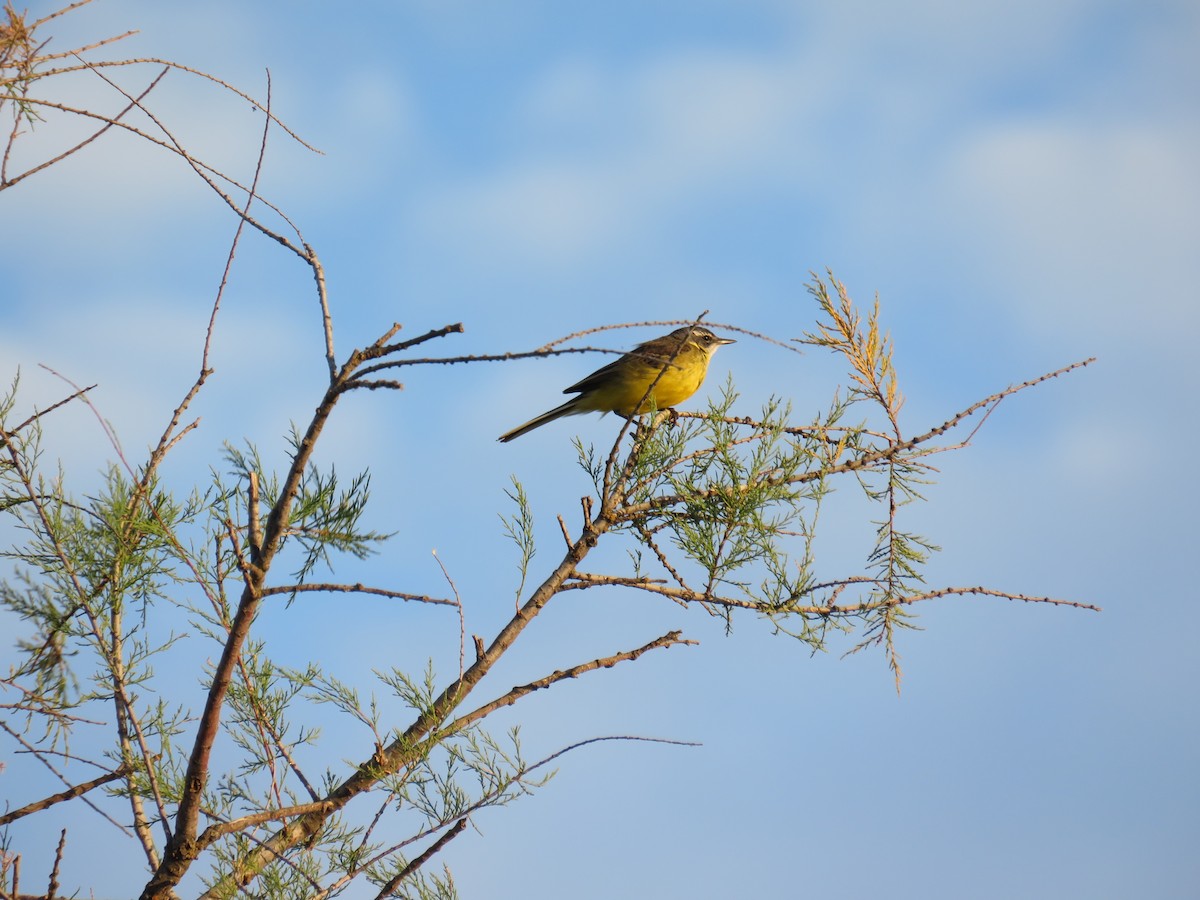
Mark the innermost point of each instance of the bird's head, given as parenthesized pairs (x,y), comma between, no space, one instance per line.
(701,338)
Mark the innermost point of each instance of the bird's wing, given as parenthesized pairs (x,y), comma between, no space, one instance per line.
(650,354)
(594,380)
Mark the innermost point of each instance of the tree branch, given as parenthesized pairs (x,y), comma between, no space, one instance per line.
(357,588)
(508,699)
(390,888)
(70,794)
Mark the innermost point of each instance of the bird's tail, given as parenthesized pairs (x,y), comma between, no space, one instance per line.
(570,408)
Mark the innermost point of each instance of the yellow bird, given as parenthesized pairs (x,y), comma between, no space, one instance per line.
(679,362)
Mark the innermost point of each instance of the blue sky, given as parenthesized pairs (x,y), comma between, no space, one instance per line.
(1017,181)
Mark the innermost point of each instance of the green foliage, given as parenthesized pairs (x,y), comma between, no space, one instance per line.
(325,518)
(724,510)
(520,528)
(92,573)
(715,510)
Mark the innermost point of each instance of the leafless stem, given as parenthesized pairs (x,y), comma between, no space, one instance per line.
(462,622)
(70,794)
(49,409)
(509,698)
(318,270)
(52,889)
(583,580)
(254,526)
(217,831)
(6,182)
(390,888)
(310,587)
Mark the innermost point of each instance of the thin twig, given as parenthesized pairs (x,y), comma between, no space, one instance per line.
(6,182)
(865,461)
(390,888)
(612,737)
(583,580)
(670,323)
(49,409)
(76,791)
(310,587)
(151,60)
(462,622)
(58,858)
(670,639)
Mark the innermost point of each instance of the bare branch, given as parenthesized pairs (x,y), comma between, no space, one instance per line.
(668,323)
(41,757)
(390,888)
(379,350)
(6,182)
(164,442)
(254,525)
(49,409)
(171,64)
(310,587)
(70,794)
(582,580)
(375,384)
(462,622)
(52,889)
(217,831)
(1003,595)
(71,8)
(613,737)
(508,699)
(318,270)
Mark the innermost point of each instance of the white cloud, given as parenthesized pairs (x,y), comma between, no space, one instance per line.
(1100,215)
(604,155)
(361,114)
(627,151)
(143,354)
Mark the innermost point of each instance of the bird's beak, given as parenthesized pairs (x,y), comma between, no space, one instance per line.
(722,340)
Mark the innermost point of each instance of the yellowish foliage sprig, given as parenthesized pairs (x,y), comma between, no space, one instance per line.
(868,350)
